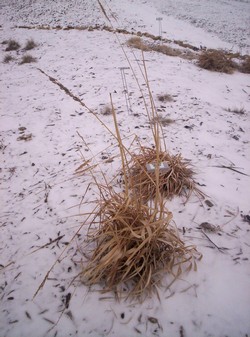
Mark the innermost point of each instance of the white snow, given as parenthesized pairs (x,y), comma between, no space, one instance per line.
(40,195)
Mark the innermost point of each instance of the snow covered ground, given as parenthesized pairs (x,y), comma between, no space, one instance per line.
(40,195)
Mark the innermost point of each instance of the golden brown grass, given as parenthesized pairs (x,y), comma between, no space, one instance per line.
(245,66)
(166,50)
(134,245)
(216,60)
(137,42)
(177,181)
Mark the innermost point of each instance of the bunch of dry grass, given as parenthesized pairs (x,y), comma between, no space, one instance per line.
(27,59)
(12,45)
(166,50)
(164,121)
(237,111)
(176,181)
(135,245)
(165,98)
(137,42)
(106,110)
(8,58)
(216,60)
(245,66)
(30,44)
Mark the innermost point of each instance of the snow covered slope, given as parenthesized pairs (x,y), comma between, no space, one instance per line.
(205,23)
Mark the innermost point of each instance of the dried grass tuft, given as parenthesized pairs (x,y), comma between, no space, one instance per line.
(164,121)
(137,42)
(216,60)
(245,66)
(166,50)
(237,111)
(8,58)
(165,98)
(12,45)
(27,59)
(30,44)
(134,246)
(106,110)
(177,181)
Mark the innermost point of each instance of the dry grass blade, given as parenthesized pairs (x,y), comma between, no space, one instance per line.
(103,10)
(177,180)
(134,245)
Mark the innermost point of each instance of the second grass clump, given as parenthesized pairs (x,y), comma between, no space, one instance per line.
(175,179)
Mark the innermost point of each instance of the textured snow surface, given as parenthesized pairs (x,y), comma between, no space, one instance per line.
(41,198)
(228,20)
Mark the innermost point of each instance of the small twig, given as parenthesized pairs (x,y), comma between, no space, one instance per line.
(233,217)
(231,168)
(47,244)
(220,249)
